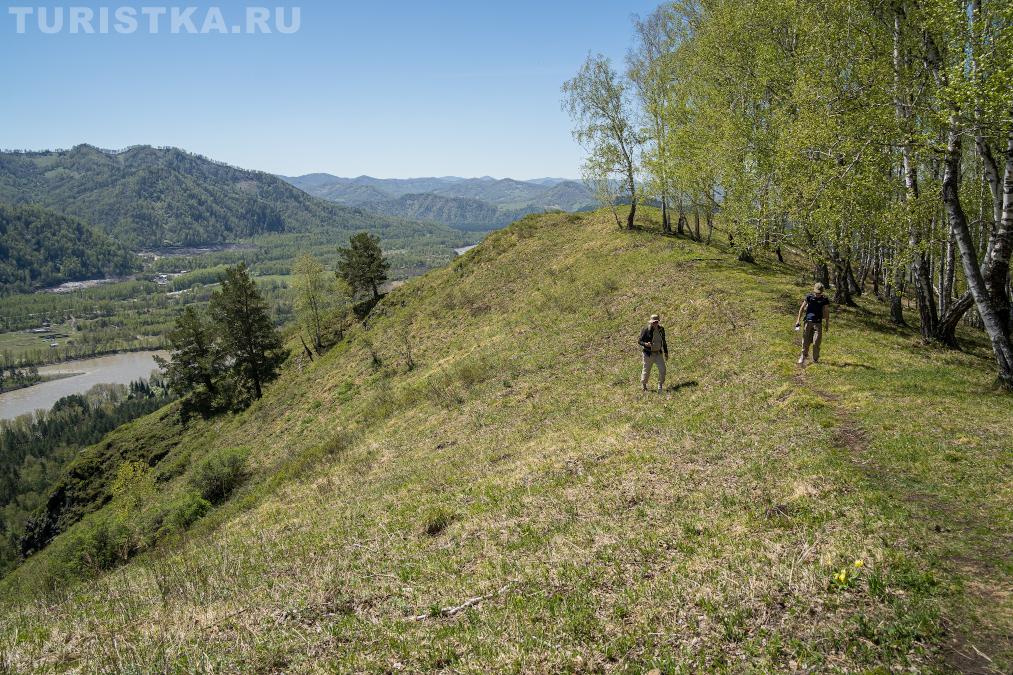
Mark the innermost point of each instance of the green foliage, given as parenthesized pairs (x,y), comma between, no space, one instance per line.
(317,294)
(219,473)
(35,450)
(196,364)
(104,542)
(363,265)
(41,248)
(186,510)
(221,359)
(246,331)
(598,101)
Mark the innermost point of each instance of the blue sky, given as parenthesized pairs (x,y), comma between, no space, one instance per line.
(389,89)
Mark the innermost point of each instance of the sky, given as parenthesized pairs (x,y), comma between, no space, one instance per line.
(388,89)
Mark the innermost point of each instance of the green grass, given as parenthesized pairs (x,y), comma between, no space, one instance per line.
(514,502)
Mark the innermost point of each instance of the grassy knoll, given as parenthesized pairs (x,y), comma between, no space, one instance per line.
(507,499)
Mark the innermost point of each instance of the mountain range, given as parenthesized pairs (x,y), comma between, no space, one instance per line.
(465,203)
(149,197)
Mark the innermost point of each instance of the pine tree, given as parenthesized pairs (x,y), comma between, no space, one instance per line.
(362,264)
(196,363)
(247,332)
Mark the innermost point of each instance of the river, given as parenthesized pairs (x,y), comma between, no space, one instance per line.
(112,369)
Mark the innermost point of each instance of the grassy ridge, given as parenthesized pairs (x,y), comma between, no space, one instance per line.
(506,498)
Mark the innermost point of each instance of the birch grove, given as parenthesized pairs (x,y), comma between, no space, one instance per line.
(875,138)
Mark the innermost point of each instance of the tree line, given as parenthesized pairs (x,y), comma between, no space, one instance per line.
(876,138)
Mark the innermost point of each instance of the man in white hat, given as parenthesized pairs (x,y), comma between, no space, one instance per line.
(652,341)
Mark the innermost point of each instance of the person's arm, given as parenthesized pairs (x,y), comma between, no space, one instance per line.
(798,319)
(644,342)
(664,343)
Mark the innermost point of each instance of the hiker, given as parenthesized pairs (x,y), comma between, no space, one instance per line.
(816,307)
(652,341)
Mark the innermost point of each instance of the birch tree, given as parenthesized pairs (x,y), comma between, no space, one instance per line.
(598,101)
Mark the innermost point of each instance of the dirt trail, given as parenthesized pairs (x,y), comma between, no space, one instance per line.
(959,653)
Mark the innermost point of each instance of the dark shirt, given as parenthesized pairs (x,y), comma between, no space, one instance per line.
(814,305)
(646,338)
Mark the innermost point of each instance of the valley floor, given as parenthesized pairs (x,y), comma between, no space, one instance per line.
(497,494)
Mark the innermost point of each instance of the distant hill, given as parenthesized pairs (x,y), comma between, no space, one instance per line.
(488,203)
(458,212)
(148,197)
(41,248)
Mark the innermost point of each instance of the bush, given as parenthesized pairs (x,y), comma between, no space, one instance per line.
(100,545)
(186,511)
(218,474)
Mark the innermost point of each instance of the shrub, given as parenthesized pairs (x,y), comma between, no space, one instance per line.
(218,474)
(187,510)
(101,544)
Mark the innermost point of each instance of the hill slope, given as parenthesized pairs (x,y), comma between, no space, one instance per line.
(148,197)
(42,248)
(507,499)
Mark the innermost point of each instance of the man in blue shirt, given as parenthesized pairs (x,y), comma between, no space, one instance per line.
(816,308)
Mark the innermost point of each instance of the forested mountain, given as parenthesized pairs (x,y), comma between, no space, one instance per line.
(147,197)
(41,248)
(505,199)
(458,212)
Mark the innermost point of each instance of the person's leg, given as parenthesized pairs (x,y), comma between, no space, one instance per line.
(807,338)
(817,339)
(646,374)
(661,371)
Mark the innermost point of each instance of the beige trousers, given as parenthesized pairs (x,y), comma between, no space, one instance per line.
(655,359)
(812,334)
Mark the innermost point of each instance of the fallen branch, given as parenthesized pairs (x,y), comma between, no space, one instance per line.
(448,612)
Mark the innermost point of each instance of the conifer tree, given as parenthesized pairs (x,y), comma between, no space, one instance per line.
(362,264)
(247,333)
(196,363)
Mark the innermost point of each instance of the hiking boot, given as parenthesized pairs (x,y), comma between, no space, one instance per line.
(801,360)
(660,389)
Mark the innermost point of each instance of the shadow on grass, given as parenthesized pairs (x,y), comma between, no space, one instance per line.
(848,364)
(682,385)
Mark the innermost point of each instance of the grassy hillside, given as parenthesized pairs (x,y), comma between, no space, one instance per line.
(149,197)
(505,498)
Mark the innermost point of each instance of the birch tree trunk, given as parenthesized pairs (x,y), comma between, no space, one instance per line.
(990,319)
